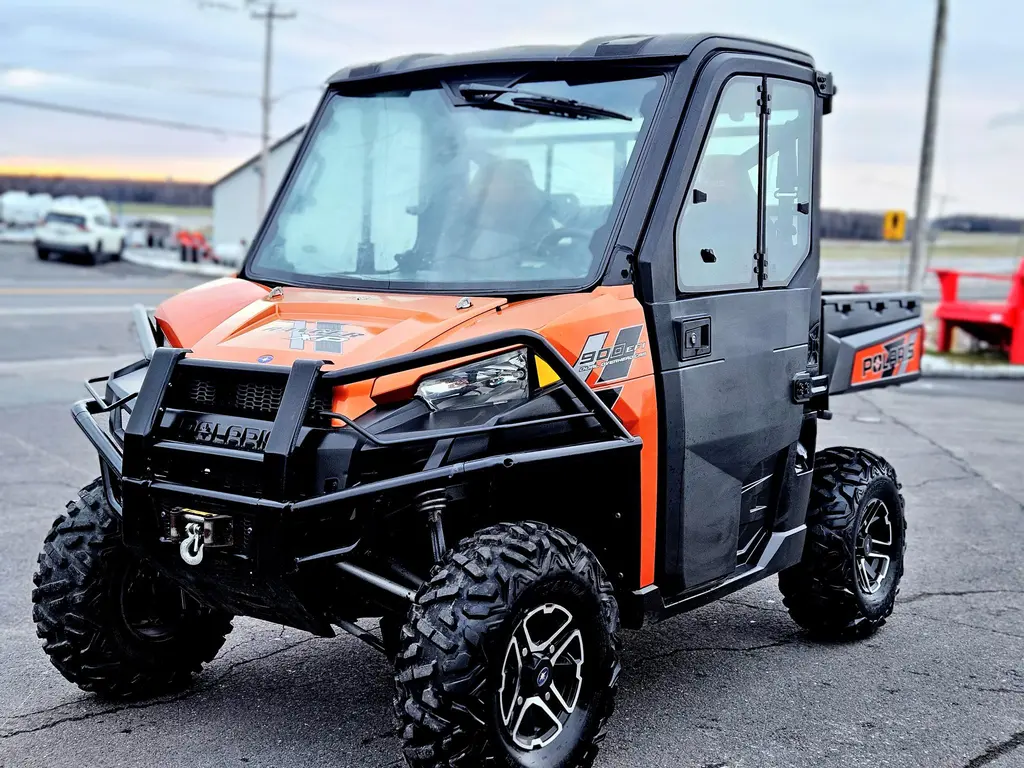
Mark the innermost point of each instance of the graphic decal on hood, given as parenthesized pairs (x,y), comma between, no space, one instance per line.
(326,336)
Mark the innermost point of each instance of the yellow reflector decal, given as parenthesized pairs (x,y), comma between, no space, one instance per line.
(545,373)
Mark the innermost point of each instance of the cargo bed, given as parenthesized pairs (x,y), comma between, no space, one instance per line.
(871,339)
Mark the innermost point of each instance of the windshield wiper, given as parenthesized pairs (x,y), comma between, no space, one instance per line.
(496,97)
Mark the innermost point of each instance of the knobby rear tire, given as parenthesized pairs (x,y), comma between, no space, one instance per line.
(822,592)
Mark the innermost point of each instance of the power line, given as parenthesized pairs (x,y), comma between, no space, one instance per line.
(265,11)
(120,117)
(134,84)
(299,89)
(269,16)
(215,92)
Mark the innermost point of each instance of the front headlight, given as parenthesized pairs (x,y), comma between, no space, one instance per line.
(496,380)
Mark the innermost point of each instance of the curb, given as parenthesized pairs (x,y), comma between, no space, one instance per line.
(940,368)
(171,263)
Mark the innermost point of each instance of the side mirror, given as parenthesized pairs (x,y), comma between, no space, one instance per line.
(699,196)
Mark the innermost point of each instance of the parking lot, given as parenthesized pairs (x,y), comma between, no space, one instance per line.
(732,684)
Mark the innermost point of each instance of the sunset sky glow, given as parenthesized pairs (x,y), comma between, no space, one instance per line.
(171,60)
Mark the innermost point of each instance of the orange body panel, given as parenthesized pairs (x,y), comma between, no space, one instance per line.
(602,333)
(637,407)
(187,317)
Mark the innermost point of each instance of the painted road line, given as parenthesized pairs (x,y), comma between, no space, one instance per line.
(49,291)
(109,363)
(121,309)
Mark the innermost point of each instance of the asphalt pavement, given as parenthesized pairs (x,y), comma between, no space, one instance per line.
(732,684)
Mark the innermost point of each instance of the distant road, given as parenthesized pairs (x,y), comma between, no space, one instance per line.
(890,275)
(882,266)
(62,312)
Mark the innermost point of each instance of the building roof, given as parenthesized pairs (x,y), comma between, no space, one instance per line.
(255,158)
(605,49)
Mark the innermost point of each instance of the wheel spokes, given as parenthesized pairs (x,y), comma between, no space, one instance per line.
(880,546)
(869,569)
(535,704)
(548,622)
(541,676)
(510,680)
(569,656)
(874,546)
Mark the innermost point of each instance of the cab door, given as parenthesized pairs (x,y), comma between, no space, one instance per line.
(731,266)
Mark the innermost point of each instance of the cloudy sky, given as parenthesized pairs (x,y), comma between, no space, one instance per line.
(173,60)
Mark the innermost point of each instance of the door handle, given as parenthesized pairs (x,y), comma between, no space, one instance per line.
(694,337)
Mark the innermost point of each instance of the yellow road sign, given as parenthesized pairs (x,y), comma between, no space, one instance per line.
(894,225)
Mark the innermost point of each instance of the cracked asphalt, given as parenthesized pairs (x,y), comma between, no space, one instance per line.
(732,684)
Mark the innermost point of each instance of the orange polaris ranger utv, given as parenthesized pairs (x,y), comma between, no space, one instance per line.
(530,346)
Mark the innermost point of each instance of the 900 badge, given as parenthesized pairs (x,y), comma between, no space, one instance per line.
(614,361)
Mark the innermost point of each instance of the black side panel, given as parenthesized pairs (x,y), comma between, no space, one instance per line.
(596,497)
(727,410)
(736,412)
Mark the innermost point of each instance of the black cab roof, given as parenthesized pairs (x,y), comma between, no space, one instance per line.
(615,48)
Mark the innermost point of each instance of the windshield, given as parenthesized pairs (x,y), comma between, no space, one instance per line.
(430,190)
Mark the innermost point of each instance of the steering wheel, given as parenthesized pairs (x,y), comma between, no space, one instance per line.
(559,247)
(564,208)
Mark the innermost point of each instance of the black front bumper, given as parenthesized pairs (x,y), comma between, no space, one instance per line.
(282,530)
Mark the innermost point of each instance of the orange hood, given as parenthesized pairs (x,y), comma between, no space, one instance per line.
(238,321)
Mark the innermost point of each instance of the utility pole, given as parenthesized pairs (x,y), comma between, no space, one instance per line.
(919,244)
(268,16)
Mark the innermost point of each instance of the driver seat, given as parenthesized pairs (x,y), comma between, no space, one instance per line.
(503,197)
(502,210)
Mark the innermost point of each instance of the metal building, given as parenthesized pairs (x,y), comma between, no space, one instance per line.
(236,194)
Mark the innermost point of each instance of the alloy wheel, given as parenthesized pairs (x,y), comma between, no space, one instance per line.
(874,547)
(541,676)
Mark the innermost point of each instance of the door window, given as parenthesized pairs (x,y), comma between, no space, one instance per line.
(788,179)
(716,233)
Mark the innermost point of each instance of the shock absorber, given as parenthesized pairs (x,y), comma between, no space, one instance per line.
(433,503)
